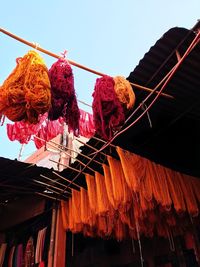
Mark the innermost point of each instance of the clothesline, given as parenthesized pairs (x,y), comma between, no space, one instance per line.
(35,46)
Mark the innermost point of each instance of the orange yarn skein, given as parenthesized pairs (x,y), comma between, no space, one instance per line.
(26,92)
(124,92)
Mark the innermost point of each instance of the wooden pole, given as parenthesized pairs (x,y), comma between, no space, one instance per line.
(143,88)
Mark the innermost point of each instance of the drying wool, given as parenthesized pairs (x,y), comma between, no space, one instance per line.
(64,102)
(25,94)
(189,195)
(76,206)
(87,216)
(124,92)
(121,191)
(109,186)
(102,197)
(107,110)
(175,192)
(65,214)
(166,200)
(133,167)
(92,192)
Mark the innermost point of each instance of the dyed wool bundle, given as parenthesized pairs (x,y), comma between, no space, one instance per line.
(107,110)
(175,191)
(133,167)
(188,192)
(102,197)
(165,193)
(196,187)
(64,102)
(92,193)
(124,92)
(109,186)
(76,206)
(121,191)
(65,214)
(87,216)
(26,92)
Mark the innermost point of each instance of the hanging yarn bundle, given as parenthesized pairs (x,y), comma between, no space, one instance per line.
(64,102)
(107,110)
(124,92)
(25,94)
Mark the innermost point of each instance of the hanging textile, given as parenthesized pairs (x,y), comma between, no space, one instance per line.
(92,192)
(40,245)
(121,191)
(65,214)
(19,256)
(86,124)
(29,253)
(109,186)
(87,216)
(76,210)
(107,110)
(11,256)
(3,247)
(22,131)
(64,102)
(134,168)
(48,130)
(158,200)
(102,197)
(25,94)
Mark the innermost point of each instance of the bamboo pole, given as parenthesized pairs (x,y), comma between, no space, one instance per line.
(49,185)
(79,153)
(67,180)
(143,88)
(44,195)
(66,166)
(95,149)
(54,181)
(58,146)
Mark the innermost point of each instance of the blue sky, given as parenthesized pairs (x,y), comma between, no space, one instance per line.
(107,35)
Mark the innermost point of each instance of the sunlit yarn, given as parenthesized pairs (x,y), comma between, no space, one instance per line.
(124,92)
(26,92)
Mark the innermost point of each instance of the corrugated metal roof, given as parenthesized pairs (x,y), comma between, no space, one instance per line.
(185,84)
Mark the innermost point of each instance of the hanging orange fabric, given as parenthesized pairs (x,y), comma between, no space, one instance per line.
(109,186)
(195,183)
(186,186)
(87,216)
(76,206)
(65,214)
(71,216)
(120,230)
(122,193)
(175,191)
(166,200)
(133,167)
(92,194)
(102,197)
